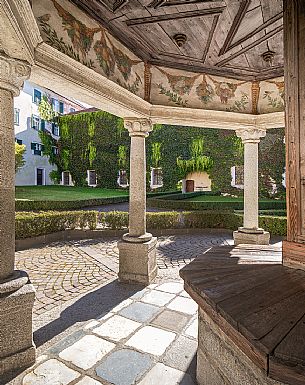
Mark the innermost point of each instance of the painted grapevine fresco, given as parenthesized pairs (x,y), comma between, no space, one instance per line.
(69,30)
(272,96)
(179,88)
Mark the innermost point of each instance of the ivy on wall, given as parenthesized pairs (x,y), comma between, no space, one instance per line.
(94,140)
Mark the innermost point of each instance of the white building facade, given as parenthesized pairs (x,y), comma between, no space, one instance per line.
(28,124)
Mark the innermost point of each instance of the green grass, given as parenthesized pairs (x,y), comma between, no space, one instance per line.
(63,193)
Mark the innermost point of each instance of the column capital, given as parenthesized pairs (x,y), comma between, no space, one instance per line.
(13,73)
(251,135)
(138,126)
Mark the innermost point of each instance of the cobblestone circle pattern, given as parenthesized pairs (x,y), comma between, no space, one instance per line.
(64,270)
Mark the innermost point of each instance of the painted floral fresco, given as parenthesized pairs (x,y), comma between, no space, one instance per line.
(272,95)
(179,88)
(66,28)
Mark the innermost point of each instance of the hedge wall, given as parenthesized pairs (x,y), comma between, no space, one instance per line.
(183,204)
(29,224)
(91,141)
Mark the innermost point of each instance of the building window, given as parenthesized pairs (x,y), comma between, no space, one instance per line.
(37,96)
(55,150)
(55,105)
(55,129)
(42,125)
(66,178)
(237,173)
(36,122)
(16,116)
(18,141)
(91,177)
(61,107)
(72,109)
(37,148)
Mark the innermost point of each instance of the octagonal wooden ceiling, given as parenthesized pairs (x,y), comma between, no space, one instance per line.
(222,37)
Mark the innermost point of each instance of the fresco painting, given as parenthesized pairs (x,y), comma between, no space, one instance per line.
(71,31)
(66,28)
(178,88)
(272,96)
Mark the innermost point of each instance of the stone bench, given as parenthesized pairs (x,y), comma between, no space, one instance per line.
(251,316)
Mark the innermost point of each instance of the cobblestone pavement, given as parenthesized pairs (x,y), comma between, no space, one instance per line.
(149,338)
(64,270)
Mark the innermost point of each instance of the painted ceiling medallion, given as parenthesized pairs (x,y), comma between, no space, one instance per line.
(180,39)
(268,57)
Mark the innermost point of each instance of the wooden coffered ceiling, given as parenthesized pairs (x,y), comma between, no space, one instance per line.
(222,37)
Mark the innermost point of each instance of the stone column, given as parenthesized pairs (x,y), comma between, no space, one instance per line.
(250,232)
(16,293)
(138,248)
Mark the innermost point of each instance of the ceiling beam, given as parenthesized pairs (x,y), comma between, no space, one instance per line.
(252,45)
(257,30)
(174,16)
(244,5)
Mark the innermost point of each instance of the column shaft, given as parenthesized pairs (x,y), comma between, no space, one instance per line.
(251,185)
(137,187)
(7,185)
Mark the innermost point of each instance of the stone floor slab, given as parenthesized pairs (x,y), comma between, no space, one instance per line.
(182,354)
(141,312)
(88,381)
(171,287)
(162,374)
(87,351)
(50,372)
(151,340)
(117,328)
(192,329)
(124,367)
(121,305)
(171,320)
(157,298)
(184,305)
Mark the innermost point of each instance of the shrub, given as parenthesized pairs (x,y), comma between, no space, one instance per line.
(30,224)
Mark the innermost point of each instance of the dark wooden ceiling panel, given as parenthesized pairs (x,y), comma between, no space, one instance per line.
(221,36)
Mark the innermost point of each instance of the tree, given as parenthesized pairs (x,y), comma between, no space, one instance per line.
(19,152)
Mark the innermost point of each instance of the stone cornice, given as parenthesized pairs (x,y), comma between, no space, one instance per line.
(18,29)
(56,70)
(13,73)
(252,135)
(138,127)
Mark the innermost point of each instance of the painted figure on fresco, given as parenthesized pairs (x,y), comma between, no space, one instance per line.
(225,90)
(81,36)
(105,55)
(205,91)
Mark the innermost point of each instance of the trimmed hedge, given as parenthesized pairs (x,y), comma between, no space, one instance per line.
(31,224)
(182,204)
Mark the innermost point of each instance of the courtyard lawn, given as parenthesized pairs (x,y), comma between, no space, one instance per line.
(63,193)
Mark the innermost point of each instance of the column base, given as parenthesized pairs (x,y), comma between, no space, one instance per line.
(138,263)
(17,346)
(253,238)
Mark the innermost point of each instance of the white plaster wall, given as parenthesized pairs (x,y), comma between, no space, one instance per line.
(202,181)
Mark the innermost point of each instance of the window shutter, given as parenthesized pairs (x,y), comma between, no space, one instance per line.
(42,125)
(33,146)
(61,107)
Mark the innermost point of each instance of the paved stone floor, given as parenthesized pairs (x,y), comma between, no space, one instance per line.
(147,339)
(64,270)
